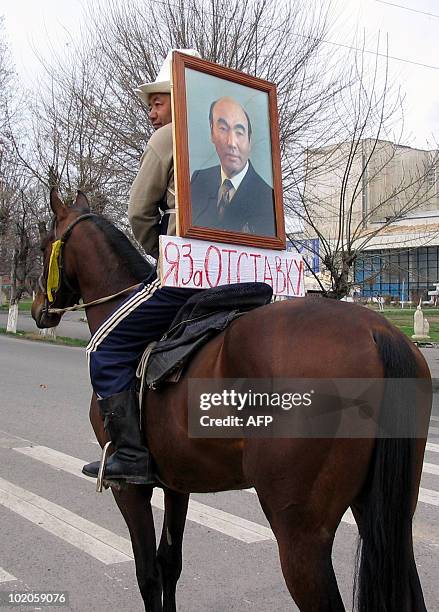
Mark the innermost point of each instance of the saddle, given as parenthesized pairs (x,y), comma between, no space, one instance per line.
(204,315)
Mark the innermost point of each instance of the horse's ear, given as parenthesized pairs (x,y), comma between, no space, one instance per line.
(56,204)
(81,200)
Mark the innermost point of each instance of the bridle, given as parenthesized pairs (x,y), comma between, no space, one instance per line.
(49,293)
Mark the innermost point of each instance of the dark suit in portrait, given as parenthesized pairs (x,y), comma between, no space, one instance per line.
(251,209)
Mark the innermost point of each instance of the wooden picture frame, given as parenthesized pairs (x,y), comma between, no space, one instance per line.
(223,117)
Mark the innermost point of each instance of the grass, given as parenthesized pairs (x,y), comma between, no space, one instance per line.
(403,319)
(23,306)
(62,340)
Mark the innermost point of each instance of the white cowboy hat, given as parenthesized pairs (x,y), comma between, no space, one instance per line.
(162,83)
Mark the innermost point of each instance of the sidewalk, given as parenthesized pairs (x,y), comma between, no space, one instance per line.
(71,325)
(432,357)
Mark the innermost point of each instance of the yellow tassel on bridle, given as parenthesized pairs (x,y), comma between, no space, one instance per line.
(53,276)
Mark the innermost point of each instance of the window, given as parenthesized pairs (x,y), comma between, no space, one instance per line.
(432,176)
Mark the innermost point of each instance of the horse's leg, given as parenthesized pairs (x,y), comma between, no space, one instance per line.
(169,555)
(305,554)
(134,503)
(97,422)
(296,482)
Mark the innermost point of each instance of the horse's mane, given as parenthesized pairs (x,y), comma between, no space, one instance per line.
(128,253)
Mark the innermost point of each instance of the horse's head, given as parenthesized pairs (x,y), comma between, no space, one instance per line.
(57,287)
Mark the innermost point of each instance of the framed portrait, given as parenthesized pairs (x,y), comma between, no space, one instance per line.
(226,155)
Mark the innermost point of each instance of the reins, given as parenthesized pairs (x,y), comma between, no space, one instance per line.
(101,300)
(63,278)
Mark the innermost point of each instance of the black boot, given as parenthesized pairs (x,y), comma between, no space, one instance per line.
(131,461)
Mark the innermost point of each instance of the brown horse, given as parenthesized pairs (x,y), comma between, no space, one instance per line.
(304,485)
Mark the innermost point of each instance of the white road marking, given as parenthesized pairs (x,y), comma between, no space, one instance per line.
(55,459)
(12,440)
(430,468)
(433,430)
(427,496)
(229,524)
(224,522)
(5,577)
(92,539)
(434,418)
(434,448)
(348,518)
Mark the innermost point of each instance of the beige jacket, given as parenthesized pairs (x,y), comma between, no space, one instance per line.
(153,191)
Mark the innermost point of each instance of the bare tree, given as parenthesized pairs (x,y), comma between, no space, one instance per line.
(89,124)
(277,41)
(19,196)
(68,137)
(357,189)
(336,113)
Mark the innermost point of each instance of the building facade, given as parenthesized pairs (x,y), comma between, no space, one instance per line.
(380,200)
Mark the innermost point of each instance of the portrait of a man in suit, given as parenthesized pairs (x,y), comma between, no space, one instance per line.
(232,195)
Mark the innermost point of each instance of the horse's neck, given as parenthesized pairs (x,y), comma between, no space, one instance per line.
(100,273)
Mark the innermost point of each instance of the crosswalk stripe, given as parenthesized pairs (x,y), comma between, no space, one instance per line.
(433,430)
(5,576)
(431,468)
(434,418)
(56,459)
(232,525)
(92,539)
(348,518)
(428,496)
(434,448)
(224,522)
(218,520)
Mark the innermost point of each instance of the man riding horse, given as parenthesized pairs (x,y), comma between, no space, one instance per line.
(115,348)
(304,483)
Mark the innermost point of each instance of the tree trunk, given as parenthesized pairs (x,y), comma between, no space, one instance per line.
(49,333)
(11,326)
(340,268)
(13,301)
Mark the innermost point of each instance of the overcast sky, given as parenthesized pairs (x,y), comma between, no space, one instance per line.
(36,27)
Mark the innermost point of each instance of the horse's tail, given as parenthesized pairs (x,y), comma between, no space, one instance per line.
(387,578)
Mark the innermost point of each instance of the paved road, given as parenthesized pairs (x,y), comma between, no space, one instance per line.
(71,326)
(59,534)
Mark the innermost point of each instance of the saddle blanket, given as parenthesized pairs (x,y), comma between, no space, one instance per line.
(204,315)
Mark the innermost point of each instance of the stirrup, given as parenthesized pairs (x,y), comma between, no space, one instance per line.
(103,465)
